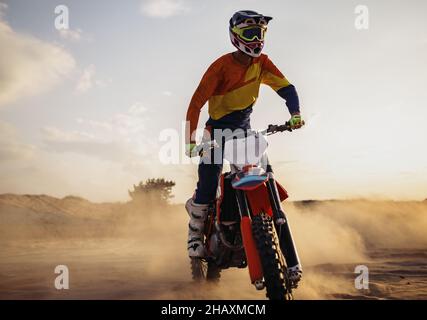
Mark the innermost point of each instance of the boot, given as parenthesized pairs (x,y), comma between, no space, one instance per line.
(198,214)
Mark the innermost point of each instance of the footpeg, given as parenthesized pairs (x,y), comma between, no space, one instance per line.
(280,217)
(294,275)
(280,221)
(259,284)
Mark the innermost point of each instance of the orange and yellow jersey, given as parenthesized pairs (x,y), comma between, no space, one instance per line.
(230,87)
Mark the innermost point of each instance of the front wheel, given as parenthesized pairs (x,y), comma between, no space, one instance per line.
(272,260)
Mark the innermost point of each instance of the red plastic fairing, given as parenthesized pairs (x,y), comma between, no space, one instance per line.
(259,200)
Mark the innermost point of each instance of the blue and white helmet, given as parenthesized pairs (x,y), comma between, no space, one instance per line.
(247,30)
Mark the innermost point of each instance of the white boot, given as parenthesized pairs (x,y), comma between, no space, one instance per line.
(197,213)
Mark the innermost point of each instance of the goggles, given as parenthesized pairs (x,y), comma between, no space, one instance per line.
(250,33)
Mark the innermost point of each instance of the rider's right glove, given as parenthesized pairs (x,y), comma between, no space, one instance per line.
(190,149)
(296,121)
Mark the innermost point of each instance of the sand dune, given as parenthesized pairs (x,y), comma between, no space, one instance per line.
(122,251)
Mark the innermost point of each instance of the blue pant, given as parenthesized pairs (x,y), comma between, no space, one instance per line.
(209,173)
(208,182)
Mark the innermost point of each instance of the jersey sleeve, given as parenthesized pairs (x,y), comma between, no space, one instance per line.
(272,77)
(204,91)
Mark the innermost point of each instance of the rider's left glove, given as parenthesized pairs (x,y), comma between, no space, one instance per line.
(190,149)
(296,121)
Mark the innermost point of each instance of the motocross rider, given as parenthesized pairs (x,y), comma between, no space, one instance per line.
(231,85)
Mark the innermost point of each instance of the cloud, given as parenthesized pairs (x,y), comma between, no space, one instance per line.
(88,80)
(84,143)
(123,138)
(11,148)
(163,8)
(104,125)
(57,135)
(137,109)
(75,35)
(29,66)
(69,34)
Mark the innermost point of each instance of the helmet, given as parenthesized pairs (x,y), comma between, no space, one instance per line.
(247,30)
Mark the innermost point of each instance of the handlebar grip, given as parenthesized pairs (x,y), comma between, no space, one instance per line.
(272,128)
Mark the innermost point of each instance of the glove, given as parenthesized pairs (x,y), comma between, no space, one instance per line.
(189,149)
(296,121)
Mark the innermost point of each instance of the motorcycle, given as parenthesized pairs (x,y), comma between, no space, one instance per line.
(246,226)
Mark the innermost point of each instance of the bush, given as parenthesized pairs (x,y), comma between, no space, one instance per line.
(152,192)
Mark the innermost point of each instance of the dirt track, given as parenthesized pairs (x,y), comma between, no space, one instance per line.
(136,260)
(120,269)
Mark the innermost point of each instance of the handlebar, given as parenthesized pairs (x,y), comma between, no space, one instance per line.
(274,128)
(271,129)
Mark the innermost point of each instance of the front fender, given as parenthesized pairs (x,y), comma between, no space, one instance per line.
(259,200)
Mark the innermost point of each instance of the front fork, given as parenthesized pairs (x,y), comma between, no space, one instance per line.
(281,223)
(252,256)
(282,227)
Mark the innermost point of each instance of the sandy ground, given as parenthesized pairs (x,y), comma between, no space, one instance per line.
(116,254)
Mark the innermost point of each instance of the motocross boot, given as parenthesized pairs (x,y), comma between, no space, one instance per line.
(198,214)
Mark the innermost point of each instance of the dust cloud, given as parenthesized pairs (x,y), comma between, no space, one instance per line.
(128,251)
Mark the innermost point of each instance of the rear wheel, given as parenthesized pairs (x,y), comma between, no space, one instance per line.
(203,269)
(272,260)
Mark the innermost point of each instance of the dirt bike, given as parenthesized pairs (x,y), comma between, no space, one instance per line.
(246,226)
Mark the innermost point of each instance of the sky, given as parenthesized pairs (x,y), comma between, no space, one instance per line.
(82,110)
